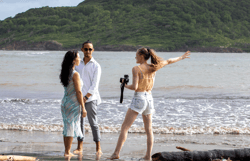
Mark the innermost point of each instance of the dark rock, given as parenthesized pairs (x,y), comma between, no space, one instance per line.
(23,45)
(235,154)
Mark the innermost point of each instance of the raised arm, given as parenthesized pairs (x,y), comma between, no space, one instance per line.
(174,60)
(77,84)
(135,82)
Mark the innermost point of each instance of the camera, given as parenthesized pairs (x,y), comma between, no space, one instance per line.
(123,81)
(126,79)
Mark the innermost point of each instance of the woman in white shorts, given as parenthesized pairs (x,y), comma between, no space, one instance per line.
(142,103)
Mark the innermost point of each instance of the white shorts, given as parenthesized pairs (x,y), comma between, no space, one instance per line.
(142,103)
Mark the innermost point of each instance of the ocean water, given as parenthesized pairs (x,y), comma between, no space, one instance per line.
(207,94)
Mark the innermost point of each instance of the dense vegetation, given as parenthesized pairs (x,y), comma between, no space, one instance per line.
(162,24)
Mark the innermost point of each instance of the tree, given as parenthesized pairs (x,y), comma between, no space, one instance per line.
(226,17)
(63,22)
(75,27)
(22,21)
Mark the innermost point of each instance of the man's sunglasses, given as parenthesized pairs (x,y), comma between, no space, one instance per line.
(86,49)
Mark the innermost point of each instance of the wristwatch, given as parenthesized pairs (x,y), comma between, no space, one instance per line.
(86,97)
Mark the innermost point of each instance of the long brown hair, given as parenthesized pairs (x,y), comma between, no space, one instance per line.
(155,60)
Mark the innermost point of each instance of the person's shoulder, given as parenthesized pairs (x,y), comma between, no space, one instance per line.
(135,68)
(76,75)
(96,63)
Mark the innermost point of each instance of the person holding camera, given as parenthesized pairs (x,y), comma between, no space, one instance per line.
(90,73)
(142,103)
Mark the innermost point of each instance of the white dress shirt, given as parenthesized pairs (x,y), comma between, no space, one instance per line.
(90,75)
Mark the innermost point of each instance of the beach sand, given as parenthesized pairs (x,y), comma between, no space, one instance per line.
(49,145)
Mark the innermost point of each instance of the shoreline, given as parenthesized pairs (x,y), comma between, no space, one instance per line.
(55,46)
(182,50)
(49,145)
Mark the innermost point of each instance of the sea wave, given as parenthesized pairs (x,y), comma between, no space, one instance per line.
(114,100)
(136,129)
(29,101)
(30,53)
(173,116)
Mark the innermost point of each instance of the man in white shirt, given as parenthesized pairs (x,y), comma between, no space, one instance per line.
(90,73)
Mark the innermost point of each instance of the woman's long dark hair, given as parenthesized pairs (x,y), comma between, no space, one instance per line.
(155,60)
(67,67)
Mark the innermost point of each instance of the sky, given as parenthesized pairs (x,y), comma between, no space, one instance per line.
(9,8)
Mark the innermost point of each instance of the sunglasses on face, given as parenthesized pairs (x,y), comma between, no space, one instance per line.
(86,49)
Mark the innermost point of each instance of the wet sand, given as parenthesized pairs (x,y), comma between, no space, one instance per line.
(49,145)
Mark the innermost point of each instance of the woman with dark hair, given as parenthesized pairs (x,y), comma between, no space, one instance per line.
(72,102)
(142,103)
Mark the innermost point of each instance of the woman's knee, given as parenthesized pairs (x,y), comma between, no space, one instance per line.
(149,130)
(124,127)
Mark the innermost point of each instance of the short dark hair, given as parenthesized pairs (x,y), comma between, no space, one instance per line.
(87,42)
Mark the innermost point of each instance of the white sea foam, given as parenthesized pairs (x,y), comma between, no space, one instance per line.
(27,101)
(30,53)
(178,114)
(135,129)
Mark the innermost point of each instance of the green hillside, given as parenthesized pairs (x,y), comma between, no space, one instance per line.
(160,24)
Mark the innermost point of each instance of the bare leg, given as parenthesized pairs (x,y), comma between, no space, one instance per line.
(98,147)
(150,136)
(79,148)
(98,150)
(128,121)
(68,144)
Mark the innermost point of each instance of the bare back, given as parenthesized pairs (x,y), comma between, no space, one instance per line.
(146,78)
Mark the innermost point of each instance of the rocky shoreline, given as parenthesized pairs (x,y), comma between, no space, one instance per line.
(24,45)
(55,46)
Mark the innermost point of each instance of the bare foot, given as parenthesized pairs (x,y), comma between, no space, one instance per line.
(98,155)
(99,152)
(69,155)
(77,151)
(67,158)
(145,158)
(113,156)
